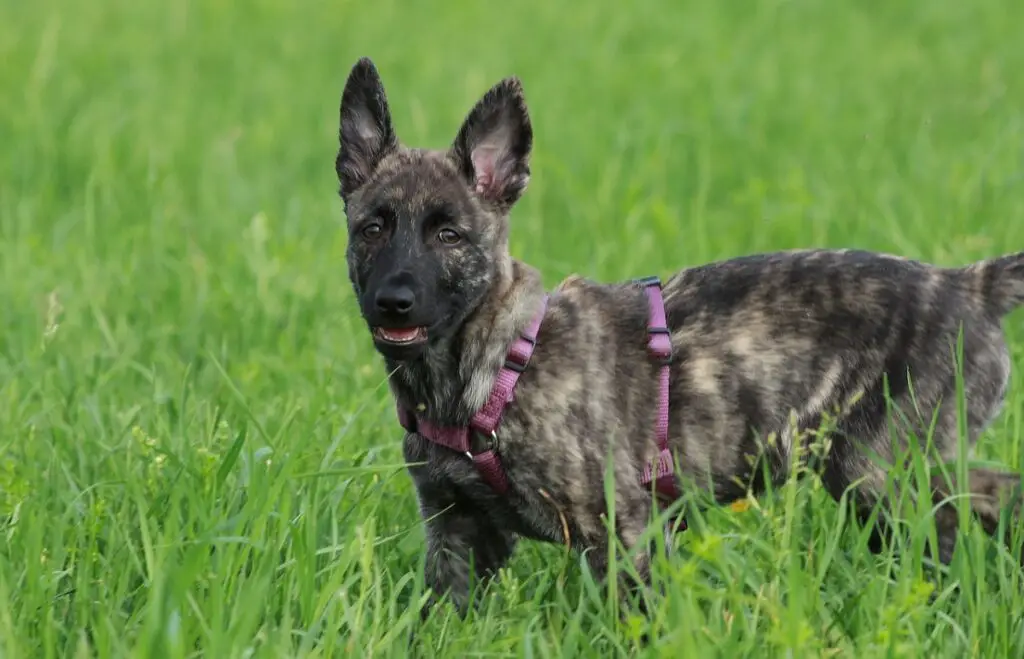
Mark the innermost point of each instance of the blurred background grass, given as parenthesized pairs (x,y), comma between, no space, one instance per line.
(197,453)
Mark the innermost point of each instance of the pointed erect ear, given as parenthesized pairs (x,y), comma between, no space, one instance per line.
(365,134)
(493,146)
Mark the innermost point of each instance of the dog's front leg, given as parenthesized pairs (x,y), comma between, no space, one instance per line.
(463,545)
(462,548)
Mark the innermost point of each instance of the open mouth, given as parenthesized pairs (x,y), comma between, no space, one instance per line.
(401,335)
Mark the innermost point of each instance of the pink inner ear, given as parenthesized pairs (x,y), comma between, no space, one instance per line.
(485,161)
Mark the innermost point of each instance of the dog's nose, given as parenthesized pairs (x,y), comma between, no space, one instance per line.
(395,300)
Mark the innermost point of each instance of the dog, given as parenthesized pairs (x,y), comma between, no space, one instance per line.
(516,400)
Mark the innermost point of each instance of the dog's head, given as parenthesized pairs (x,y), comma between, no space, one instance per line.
(427,229)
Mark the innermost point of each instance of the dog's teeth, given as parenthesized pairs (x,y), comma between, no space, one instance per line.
(401,335)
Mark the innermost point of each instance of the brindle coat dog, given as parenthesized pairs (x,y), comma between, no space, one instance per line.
(759,342)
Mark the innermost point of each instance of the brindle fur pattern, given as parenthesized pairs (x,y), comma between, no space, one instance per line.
(759,341)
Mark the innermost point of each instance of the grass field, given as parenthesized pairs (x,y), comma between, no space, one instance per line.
(198,455)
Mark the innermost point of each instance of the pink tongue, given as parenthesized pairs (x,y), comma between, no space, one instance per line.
(401,334)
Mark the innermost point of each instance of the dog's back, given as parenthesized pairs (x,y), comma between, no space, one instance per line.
(795,336)
(767,348)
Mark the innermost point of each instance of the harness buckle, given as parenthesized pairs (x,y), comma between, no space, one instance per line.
(645,282)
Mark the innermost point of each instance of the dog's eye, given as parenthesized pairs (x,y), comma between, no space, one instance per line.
(448,237)
(371,231)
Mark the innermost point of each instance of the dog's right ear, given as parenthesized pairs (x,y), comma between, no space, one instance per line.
(365,134)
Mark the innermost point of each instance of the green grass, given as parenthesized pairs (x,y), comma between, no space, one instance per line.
(198,455)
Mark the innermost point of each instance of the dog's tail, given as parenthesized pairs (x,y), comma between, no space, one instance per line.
(999,282)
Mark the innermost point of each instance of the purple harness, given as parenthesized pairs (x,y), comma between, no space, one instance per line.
(488,417)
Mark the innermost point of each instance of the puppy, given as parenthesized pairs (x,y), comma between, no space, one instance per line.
(515,399)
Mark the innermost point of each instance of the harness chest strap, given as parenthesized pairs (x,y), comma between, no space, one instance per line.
(488,417)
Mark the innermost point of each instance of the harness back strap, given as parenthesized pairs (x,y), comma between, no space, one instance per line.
(488,417)
(659,345)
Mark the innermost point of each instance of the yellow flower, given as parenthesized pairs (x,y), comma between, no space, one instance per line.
(739,506)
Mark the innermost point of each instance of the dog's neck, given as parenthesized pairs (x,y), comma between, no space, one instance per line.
(452,379)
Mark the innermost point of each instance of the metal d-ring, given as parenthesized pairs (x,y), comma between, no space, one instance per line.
(493,443)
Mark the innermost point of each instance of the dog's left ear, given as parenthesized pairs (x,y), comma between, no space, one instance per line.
(492,149)
(365,133)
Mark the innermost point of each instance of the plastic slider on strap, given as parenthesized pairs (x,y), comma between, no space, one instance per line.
(519,354)
(659,344)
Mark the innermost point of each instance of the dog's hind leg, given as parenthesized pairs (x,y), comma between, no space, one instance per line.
(847,469)
(863,483)
(990,492)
